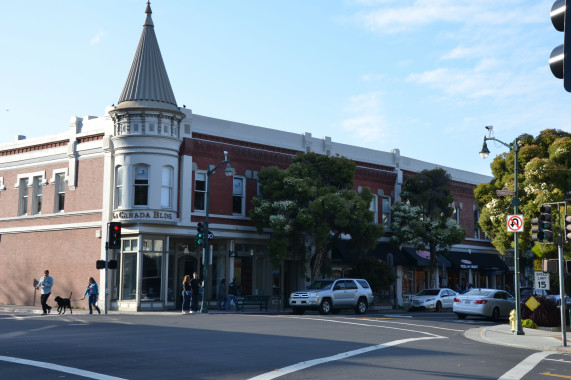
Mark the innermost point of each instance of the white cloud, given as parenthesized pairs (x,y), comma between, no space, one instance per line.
(97,38)
(365,117)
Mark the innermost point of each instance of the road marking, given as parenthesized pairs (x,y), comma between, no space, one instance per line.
(310,363)
(555,375)
(417,325)
(526,365)
(60,368)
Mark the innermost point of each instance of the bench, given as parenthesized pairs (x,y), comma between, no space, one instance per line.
(260,301)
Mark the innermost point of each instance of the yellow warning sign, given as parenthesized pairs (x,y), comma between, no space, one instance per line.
(532,303)
(537,265)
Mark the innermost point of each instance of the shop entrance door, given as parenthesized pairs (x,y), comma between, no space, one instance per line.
(186,264)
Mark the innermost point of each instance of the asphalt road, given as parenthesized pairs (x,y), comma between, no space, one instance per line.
(246,346)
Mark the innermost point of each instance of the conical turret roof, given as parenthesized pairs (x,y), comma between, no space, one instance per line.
(148,84)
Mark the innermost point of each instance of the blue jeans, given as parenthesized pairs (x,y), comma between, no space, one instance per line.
(231,297)
(185,301)
(93,303)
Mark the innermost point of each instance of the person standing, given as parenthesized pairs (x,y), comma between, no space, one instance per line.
(186,291)
(222,294)
(93,291)
(232,293)
(195,286)
(46,283)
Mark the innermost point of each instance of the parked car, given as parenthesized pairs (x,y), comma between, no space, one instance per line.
(490,303)
(525,292)
(557,299)
(331,296)
(433,299)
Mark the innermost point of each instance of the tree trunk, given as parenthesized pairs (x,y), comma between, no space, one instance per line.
(433,264)
(317,263)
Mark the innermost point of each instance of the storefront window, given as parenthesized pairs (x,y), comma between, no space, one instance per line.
(151,279)
(128,292)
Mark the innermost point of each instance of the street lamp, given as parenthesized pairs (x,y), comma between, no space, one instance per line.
(485,152)
(229,171)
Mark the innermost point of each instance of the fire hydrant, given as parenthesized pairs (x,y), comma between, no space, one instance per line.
(512,319)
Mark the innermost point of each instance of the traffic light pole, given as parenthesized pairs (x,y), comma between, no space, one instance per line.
(106,269)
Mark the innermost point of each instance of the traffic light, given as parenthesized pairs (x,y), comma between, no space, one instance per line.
(545,224)
(550,266)
(112,264)
(536,232)
(560,58)
(114,235)
(567,266)
(100,264)
(567,228)
(199,234)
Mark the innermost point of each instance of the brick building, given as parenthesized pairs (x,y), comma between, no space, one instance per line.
(144,163)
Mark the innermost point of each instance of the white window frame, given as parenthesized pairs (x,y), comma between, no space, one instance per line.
(23,196)
(60,179)
(386,200)
(235,194)
(119,187)
(374,207)
(135,184)
(29,177)
(202,176)
(167,173)
(37,184)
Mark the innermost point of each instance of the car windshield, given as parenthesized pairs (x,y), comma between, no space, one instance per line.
(477,293)
(321,284)
(429,292)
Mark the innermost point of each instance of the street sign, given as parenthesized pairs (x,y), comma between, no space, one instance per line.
(505,192)
(515,223)
(210,235)
(537,265)
(541,281)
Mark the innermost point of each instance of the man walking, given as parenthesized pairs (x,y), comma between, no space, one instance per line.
(232,293)
(46,283)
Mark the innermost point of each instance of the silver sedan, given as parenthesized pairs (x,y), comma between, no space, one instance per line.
(489,303)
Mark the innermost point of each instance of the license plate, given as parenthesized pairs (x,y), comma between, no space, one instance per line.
(466,302)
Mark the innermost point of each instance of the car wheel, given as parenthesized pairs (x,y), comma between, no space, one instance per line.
(461,316)
(495,315)
(438,307)
(325,307)
(361,307)
(298,311)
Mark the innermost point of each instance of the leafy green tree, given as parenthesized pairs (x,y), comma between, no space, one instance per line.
(377,273)
(544,176)
(422,218)
(312,203)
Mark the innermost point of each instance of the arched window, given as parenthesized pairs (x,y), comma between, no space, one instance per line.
(166,187)
(141,185)
(119,186)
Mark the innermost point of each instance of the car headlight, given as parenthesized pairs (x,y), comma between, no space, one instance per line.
(312,294)
(429,300)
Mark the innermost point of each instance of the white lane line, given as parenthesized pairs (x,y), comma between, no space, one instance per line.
(413,324)
(343,355)
(60,368)
(526,365)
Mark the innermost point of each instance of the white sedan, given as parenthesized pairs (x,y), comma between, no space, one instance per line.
(489,303)
(433,299)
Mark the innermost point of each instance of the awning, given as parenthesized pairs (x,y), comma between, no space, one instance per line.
(344,253)
(421,258)
(482,262)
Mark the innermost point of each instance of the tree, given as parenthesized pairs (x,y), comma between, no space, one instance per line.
(422,218)
(312,203)
(544,176)
(378,274)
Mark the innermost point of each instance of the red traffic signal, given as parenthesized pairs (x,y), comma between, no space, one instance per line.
(114,235)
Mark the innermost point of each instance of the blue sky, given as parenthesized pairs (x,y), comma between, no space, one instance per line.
(423,76)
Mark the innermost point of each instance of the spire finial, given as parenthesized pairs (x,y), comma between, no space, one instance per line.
(148,10)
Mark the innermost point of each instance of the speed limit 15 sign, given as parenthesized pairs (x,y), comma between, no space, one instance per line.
(541,281)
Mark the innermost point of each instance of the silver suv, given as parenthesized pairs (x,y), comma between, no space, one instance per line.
(330,296)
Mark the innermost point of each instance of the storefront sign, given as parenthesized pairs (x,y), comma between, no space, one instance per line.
(505,192)
(467,264)
(144,215)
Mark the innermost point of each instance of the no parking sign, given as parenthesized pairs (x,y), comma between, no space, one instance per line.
(515,223)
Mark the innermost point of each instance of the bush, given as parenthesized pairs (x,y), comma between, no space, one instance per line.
(547,313)
(528,323)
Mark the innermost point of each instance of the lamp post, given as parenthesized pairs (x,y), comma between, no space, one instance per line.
(228,172)
(485,152)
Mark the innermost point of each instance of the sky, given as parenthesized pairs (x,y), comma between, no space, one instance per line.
(421,76)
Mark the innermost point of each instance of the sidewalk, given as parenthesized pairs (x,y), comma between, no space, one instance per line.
(534,339)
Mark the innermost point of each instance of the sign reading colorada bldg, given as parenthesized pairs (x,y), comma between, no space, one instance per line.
(146,215)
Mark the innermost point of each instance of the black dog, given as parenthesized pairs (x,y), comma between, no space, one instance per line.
(63,303)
